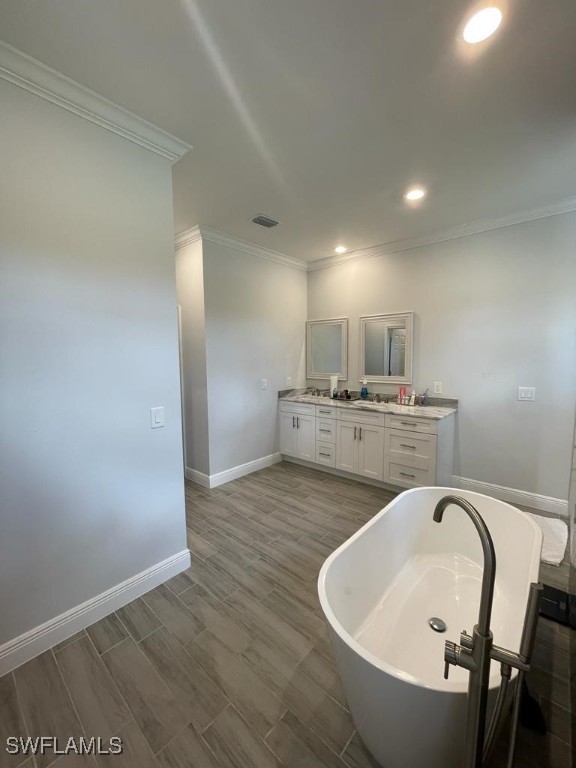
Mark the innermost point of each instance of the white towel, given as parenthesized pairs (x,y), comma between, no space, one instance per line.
(555,537)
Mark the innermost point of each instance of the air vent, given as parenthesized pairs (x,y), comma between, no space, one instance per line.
(264,221)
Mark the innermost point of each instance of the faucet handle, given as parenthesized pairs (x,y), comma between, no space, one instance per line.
(450,656)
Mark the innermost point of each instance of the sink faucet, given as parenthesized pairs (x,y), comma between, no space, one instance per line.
(475,654)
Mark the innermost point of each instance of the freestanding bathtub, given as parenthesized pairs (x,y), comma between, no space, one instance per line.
(378,591)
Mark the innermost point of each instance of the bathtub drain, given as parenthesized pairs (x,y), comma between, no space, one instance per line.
(437,624)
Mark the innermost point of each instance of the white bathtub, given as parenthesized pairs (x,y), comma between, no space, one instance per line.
(378,591)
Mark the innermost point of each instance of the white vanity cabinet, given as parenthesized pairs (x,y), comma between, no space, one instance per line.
(399,449)
(360,444)
(298,430)
(418,451)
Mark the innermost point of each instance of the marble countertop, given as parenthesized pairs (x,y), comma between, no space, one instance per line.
(420,411)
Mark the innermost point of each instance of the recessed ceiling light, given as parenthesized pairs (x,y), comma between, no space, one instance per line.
(340,249)
(416,193)
(482,25)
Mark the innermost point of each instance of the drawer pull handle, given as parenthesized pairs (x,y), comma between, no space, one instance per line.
(404,445)
(324,454)
(355,430)
(325,430)
(405,474)
(360,435)
(293,421)
(297,422)
(320,410)
(408,423)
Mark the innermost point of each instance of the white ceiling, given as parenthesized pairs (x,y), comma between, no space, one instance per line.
(320,112)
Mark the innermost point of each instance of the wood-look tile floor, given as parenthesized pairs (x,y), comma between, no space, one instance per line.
(227,665)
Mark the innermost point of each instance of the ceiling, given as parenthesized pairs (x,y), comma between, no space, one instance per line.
(320,113)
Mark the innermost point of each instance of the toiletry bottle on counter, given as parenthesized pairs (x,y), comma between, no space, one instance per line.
(413,398)
(364,390)
(334,386)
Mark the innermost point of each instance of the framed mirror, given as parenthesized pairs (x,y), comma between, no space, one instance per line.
(327,348)
(386,347)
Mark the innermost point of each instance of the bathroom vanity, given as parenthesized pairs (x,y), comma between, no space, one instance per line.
(403,446)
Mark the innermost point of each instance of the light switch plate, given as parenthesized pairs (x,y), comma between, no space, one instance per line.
(157,417)
(527,393)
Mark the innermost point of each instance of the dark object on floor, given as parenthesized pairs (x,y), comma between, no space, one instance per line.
(558,606)
(531,716)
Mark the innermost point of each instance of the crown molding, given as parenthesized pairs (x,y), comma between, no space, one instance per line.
(33,76)
(474,228)
(187,238)
(211,235)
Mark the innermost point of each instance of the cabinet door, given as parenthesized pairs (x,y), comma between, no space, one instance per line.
(371,452)
(288,434)
(347,446)
(306,436)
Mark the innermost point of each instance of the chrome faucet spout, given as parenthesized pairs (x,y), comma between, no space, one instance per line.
(489,573)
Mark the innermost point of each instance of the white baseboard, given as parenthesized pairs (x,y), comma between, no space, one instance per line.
(212,481)
(25,647)
(197,477)
(514,496)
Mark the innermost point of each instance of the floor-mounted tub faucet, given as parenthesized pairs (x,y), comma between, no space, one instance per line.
(476,658)
(474,652)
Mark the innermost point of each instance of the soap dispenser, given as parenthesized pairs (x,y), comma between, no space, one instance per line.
(413,398)
(364,390)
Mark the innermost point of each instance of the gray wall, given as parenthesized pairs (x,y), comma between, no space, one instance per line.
(493,311)
(253,327)
(90,495)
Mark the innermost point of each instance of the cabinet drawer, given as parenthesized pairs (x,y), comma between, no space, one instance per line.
(325,430)
(326,454)
(356,416)
(302,409)
(408,477)
(427,426)
(411,449)
(326,411)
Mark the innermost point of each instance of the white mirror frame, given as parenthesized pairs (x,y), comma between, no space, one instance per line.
(392,316)
(342,374)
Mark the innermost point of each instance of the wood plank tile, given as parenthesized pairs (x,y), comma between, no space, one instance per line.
(153,705)
(107,633)
(198,545)
(218,617)
(325,674)
(11,720)
(212,580)
(319,711)
(235,744)
(71,639)
(194,690)
(73,760)
(94,694)
(297,746)
(45,702)
(138,619)
(187,750)
(356,755)
(173,613)
(180,582)
(268,625)
(259,706)
(240,574)
(297,615)
(136,752)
